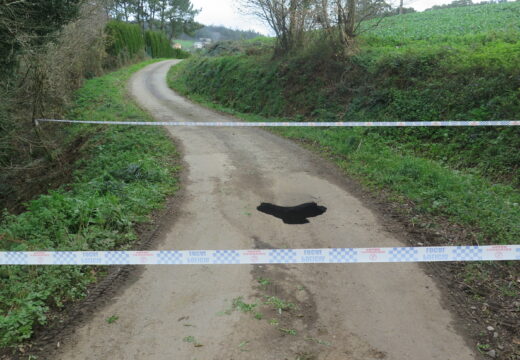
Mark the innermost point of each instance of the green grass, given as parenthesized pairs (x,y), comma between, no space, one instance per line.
(122,175)
(191,340)
(278,304)
(292,332)
(186,44)
(239,304)
(264,282)
(448,24)
(112,319)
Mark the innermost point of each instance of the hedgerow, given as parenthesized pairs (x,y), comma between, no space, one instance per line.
(127,41)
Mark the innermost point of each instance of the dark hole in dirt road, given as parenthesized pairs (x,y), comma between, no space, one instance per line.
(293,215)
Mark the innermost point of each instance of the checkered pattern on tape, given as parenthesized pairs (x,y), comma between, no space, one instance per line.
(343,255)
(226,257)
(15,258)
(403,254)
(65,258)
(117,257)
(283,256)
(467,253)
(169,257)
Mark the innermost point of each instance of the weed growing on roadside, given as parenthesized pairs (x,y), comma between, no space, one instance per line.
(483,347)
(292,332)
(264,282)
(112,319)
(318,341)
(274,322)
(239,304)
(278,304)
(242,346)
(191,340)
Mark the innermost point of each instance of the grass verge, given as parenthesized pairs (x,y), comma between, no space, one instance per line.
(121,176)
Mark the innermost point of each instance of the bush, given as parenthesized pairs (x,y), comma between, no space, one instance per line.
(125,41)
(158,46)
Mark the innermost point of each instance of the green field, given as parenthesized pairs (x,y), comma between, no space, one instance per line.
(186,44)
(451,24)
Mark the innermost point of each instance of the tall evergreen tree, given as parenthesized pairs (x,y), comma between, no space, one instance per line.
(171,16)
(29,22)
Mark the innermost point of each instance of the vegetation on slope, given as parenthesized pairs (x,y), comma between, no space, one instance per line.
(121,175)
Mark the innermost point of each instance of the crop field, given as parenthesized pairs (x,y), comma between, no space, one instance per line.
(448,24)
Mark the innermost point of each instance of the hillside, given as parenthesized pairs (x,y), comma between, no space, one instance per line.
(460,183)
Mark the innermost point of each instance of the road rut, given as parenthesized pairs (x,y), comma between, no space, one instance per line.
(353,311)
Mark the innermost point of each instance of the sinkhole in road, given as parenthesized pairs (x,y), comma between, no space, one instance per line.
(293,215)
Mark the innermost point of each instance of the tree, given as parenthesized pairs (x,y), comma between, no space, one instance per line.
(25,23)
(346,20)
(140,12)
(153,10)
(170,16)
(289,19)
(348,15)
(181,15)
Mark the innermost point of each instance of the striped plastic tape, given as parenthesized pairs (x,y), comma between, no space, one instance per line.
(295,124)
(271,256)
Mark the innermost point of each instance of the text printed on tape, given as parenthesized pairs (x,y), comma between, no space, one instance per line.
(271,256)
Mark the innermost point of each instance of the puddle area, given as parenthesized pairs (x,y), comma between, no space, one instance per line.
(293,215)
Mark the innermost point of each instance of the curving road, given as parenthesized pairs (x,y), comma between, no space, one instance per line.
(336,312)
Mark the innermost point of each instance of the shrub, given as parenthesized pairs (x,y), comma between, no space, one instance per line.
(158,46)
(125,41)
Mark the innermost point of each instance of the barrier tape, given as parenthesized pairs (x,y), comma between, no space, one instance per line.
(295,124)
(274,256)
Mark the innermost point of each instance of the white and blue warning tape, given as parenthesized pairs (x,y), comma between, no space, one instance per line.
(271,256)
(295,124)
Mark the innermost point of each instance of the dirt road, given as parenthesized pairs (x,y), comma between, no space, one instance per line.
(333,312)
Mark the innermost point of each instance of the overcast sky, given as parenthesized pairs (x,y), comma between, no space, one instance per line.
(225,12)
